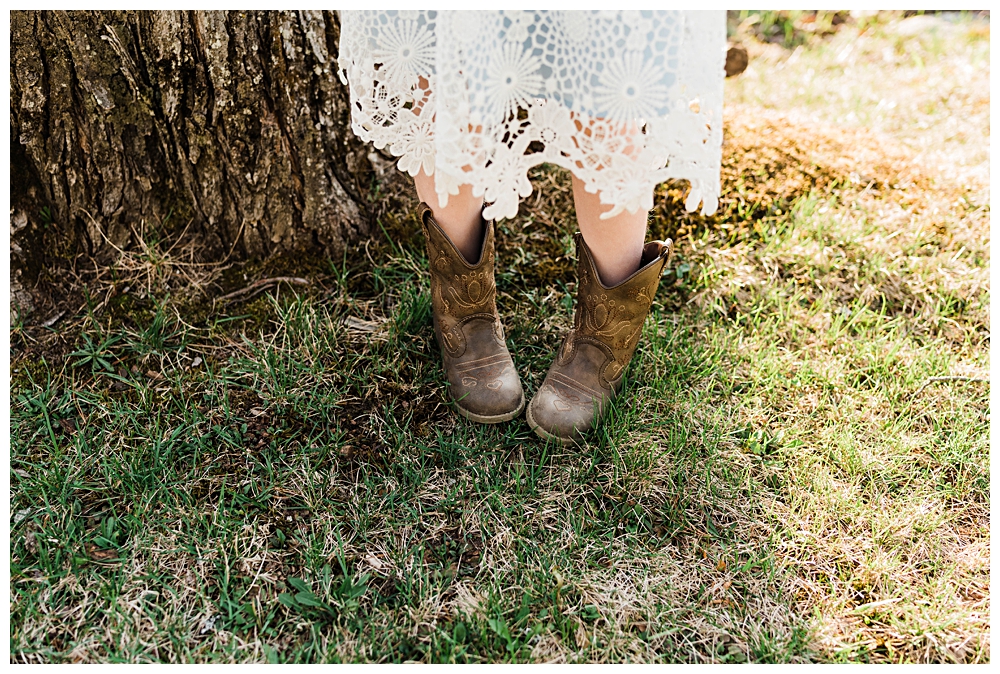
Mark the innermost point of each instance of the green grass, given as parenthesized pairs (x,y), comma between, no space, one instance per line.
(281,479)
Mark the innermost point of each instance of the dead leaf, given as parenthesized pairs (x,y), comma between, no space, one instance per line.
(52,321)
(22,514)
(361,325)
(737,59)
(209,624)
(101,555)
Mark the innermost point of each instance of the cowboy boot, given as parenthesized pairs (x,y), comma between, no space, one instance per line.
(589,369)
(484,383)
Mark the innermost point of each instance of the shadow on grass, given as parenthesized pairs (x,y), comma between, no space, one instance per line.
(282,478)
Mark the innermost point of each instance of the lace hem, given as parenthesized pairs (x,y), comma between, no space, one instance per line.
(469,97)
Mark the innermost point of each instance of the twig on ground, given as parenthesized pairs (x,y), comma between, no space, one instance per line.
(235,241)
(931,380)
(260,285)
(361,325)
(875,604)
(52,321)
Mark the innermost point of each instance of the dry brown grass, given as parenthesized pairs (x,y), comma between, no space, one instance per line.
(788,483)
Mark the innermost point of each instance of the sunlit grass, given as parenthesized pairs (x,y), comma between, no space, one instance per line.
(799,470)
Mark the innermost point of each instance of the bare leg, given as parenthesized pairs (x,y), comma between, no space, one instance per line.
(616,243)
(461,219)
(587,371)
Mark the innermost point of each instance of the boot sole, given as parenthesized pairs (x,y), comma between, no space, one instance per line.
(491,419)
(542,433)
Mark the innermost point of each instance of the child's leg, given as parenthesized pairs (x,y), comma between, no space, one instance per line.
(484,384)
(616,243)
(461,219)
(588,369)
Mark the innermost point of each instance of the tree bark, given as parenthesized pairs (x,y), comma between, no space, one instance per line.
(232,124)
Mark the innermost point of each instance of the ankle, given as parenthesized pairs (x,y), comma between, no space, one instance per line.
(461,220)
(467,238)
(615,268)
(464,228)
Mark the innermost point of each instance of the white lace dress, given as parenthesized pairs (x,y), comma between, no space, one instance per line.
(623,99)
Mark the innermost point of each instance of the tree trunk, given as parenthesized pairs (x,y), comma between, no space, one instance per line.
(232,124)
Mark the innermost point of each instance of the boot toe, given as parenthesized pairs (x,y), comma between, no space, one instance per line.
(555,416)
(489,399)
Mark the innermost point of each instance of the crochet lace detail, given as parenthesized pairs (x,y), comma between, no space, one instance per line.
(623,99)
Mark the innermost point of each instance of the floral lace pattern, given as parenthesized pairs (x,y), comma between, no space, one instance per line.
(623,99)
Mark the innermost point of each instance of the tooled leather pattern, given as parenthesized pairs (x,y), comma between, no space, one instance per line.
(610,319)
(488,370)
(459,293)
(568,393)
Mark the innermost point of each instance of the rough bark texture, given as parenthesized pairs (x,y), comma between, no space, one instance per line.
(234,122)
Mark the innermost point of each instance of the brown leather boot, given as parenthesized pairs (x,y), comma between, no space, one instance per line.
(589,369)
(484,383)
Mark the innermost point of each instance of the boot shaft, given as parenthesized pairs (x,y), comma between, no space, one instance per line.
(483,381)
(459,289)
(611,318)
(587,373)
